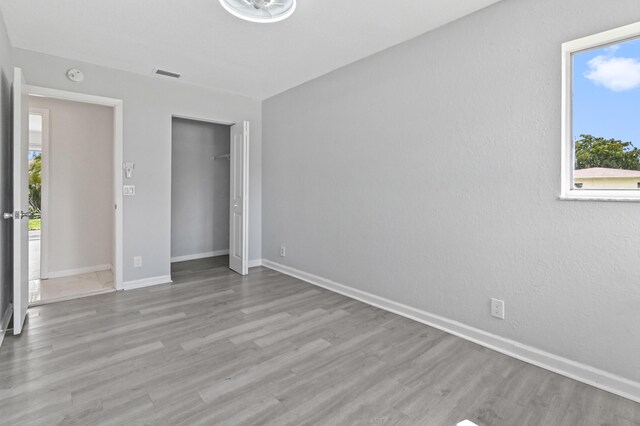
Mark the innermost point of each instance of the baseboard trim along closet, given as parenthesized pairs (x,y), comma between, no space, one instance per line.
(575,370)
(199,256)
(147,282)
(5,322)
(78,271)
(255,262)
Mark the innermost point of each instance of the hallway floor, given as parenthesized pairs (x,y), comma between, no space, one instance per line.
(64,288)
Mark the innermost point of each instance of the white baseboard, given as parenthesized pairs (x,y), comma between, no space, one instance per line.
(255,262)
(5,322)
(199,256)
(77,271)
(575,370)
(147,282)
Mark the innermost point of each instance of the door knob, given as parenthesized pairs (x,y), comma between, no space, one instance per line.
(16,215)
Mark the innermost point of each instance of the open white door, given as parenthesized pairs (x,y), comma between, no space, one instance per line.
(239,218)
(20,201)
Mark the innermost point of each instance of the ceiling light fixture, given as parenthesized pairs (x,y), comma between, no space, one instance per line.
(263,11)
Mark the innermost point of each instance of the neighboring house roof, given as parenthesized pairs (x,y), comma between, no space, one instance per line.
(603,173)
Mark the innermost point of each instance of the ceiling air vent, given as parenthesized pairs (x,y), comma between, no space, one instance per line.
(166,73)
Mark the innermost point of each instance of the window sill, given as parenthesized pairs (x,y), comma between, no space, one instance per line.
(598,198)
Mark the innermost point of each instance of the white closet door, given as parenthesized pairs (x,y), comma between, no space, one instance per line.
(239,217)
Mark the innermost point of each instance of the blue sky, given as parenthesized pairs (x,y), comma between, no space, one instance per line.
(606,92)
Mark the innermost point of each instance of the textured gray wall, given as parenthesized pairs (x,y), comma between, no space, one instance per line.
(429,174)
(6,203)
(199,188)
(148,105)
(80,187)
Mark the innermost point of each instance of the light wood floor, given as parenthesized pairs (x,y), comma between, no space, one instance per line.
(218,348)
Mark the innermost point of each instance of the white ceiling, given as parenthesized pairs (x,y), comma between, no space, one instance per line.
(211,48)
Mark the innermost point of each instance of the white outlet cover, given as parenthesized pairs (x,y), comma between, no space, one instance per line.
(497,308)
(129,190)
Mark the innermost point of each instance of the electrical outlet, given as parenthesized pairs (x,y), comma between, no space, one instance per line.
(497,308)
(128,190)
(137,261)
(283,251)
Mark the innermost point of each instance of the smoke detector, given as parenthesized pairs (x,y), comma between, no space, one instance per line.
(75,75)
(264,11)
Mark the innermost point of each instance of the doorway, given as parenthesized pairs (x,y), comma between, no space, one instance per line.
(70,199)
(21,94)
(209,195)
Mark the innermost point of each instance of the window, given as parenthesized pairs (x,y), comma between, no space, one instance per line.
(601,100)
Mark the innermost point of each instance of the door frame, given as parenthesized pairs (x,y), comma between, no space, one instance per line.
(44,195)
(118,148)
(222,122)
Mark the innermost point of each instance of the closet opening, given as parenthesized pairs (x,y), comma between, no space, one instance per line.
(209,186)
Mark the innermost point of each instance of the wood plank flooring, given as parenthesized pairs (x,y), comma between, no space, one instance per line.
(267,349)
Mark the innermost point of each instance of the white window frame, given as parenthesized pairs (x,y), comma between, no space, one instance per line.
(567,191)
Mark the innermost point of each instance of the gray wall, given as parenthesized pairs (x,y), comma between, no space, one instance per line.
(199,188)
(80,186)
(6,203)
(429,174)
(149,103)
